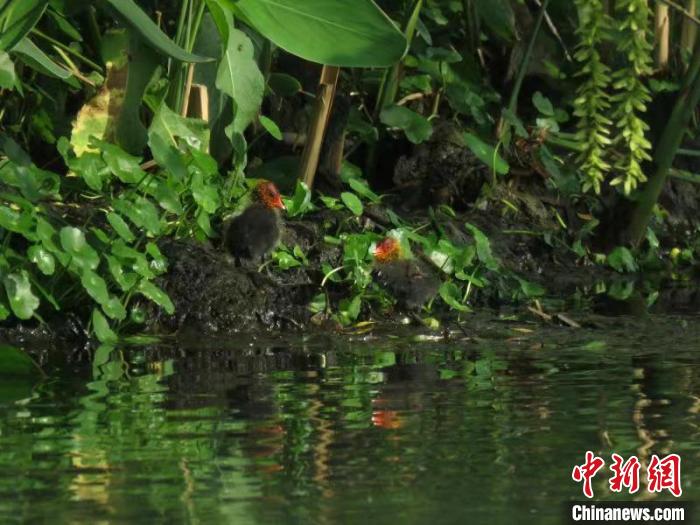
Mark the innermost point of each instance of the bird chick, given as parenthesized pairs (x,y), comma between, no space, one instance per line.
(254,233)
(411,285)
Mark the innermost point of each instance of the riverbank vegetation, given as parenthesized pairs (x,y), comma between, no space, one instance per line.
(507,145)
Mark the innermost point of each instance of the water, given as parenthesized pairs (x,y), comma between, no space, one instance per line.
(331,429)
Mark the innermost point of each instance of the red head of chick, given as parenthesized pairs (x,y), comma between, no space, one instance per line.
(411,284)
(254,233)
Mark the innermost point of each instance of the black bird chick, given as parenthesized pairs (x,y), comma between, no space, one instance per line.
(408,282)
(254,233)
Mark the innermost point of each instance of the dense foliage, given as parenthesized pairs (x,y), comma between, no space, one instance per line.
(104,152)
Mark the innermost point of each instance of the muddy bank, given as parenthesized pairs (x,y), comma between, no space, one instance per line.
(527,223)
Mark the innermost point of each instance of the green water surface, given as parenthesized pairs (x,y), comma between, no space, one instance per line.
(347,429)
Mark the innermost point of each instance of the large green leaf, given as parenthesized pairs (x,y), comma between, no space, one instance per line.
(239,77)
(38,60)
(17,19)
(134,17)
(346,33)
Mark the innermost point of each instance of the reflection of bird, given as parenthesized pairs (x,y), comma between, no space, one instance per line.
(411,285)
(254,233)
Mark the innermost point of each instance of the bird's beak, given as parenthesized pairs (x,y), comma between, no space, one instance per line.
(280,204)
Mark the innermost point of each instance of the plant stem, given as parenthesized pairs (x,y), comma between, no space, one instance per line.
(513,104)
(68,50)
(666,150)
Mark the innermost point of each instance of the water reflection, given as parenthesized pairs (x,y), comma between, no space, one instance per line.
(330,430)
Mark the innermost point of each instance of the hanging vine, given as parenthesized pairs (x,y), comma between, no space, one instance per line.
(632,95)
(593,100)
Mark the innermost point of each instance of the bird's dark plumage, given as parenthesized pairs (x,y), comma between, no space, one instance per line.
(411,284)
(254,233)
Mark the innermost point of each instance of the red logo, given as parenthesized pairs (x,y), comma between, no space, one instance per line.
(662,474)
(587,471)
(665,474)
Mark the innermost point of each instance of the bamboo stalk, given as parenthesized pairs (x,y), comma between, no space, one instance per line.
(317,126)
(187,91)
(662,33)
(690,31)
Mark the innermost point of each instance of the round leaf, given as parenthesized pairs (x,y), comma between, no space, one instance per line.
(19,292)
(42,258)
(353,203)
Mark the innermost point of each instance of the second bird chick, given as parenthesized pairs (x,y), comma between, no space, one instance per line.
(411,284)
(254,233)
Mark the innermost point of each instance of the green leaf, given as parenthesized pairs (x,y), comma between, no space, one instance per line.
(101,327)
(4,310)
(120,226)
(361,188)
(42,258)
(14,221)
(17,18)
(114,309)
(8,77)
(417,128)
(271,127)
(498,17)
(531,289)
(19,293)
(15,362)
(300,203)
(45,233)
(349,309)
(126,281)
(95,286)
(543,104)
(452,296)
(141,211)
(204,193)
(34,57)
(124,166)
(283,85)
(346,34)
(486,153)
(483,248)
(240,78)
(133,16)
(170,126)
(621,260)
(156,295)
(74,243)
(353,203)
(160,263)
(285,260)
